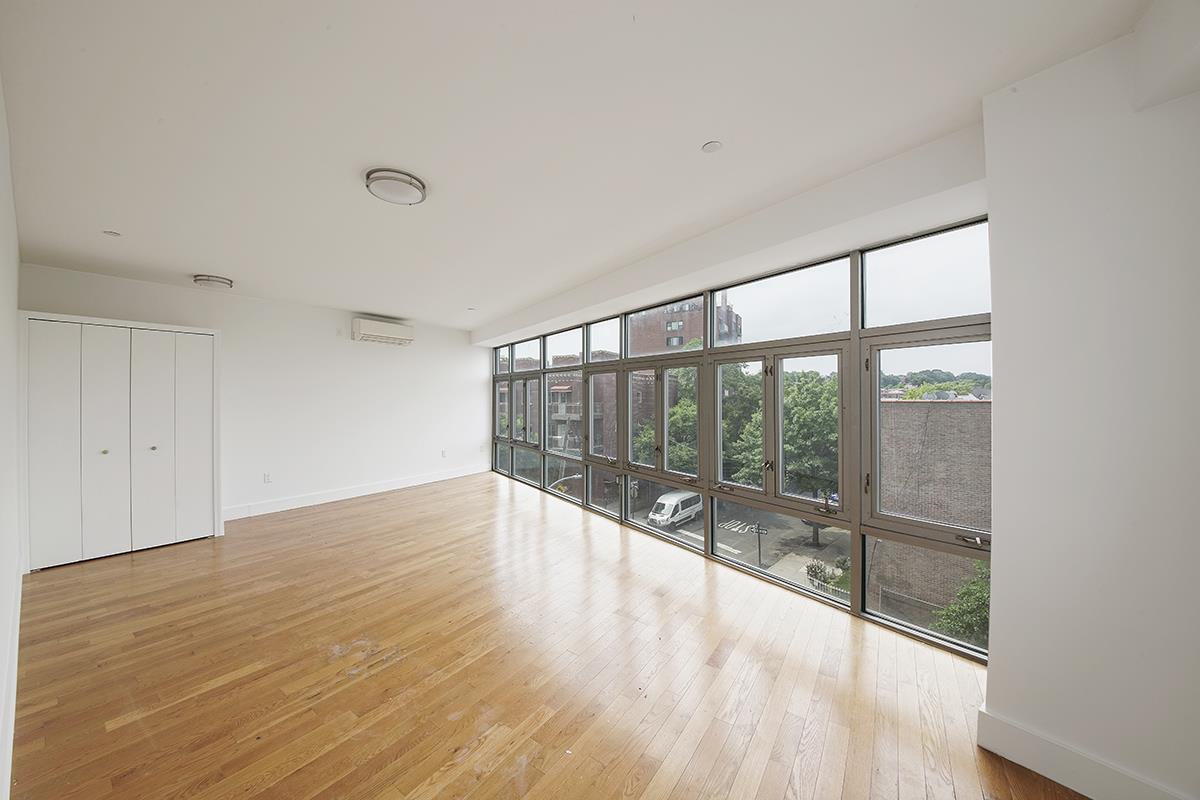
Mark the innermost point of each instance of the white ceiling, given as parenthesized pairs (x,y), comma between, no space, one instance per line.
(558,140)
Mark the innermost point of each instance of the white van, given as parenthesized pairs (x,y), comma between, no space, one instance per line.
(675,508)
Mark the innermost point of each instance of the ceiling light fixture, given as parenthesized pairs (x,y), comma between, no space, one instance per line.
(111,233)
(711,147)
(395,186)
(214,281)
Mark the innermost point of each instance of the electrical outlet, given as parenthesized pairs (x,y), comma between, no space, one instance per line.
(266,477)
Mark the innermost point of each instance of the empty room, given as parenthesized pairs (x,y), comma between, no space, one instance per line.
(645,401)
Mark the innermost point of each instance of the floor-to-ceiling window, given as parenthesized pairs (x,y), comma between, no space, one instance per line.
(827,427)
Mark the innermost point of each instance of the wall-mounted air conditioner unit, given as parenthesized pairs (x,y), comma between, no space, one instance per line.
(375,330)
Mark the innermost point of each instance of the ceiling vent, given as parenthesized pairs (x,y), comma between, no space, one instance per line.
(375,330)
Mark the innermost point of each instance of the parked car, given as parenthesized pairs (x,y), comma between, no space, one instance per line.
(675,508)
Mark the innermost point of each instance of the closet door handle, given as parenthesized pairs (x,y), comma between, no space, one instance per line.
(153,447)
(103,452)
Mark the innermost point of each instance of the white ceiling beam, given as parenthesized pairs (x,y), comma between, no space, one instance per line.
(1166,52)
(937,183)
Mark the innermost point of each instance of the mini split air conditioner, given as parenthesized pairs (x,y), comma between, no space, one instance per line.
(374,330)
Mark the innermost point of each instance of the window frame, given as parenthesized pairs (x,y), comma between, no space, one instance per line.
(860,297)
(546,456)
(496,434)
(587,341)
(512,361)
(588,373)
(548,376)
(583,352)
(587,495)
(846,419)
(807,518)
(628,357)
(858,561)
(671,484)
(976,540)
(857,388)
(715,482)
(541,467)
(787,341)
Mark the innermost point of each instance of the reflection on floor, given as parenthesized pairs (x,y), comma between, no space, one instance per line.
(519,647)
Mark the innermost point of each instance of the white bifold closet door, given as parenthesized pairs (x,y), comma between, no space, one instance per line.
(194,450)
(52,396)
(152,437)
(104,433)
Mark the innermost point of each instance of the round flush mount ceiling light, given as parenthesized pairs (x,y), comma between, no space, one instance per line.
(711,147)
(395,186)
(212,281)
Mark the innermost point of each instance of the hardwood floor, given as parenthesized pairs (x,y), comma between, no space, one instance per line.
(474,638)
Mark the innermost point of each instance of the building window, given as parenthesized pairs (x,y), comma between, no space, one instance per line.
(674,324)
(644,329)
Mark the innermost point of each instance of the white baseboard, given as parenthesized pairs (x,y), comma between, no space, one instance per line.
(1084,773)
(344,493)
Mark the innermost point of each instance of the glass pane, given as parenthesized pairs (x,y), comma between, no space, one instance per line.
(564,412)
(504,458)
(502,409)
(604,490)
(806,302)
(565,349)
(681,425)
(740,400)
(945,275)
(643,405)
(605,340)
(518,390)
(939,592)
(667,329)
(676,513)
(602,430)
(935,433)
(533,409)
(565,477)
(808,425)
(502,359)
(527,465)
(812,555)
(527,355)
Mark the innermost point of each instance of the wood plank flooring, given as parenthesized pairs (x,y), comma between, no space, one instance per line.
(474,638)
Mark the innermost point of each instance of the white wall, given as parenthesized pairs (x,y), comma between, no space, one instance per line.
(1094,674)
(325,416)
(10,580)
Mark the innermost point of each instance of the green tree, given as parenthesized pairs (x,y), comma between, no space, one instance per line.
(683,453)
(956,386)
(809,427)
(643,442)
(966,618)
(741,424)
(743,454)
